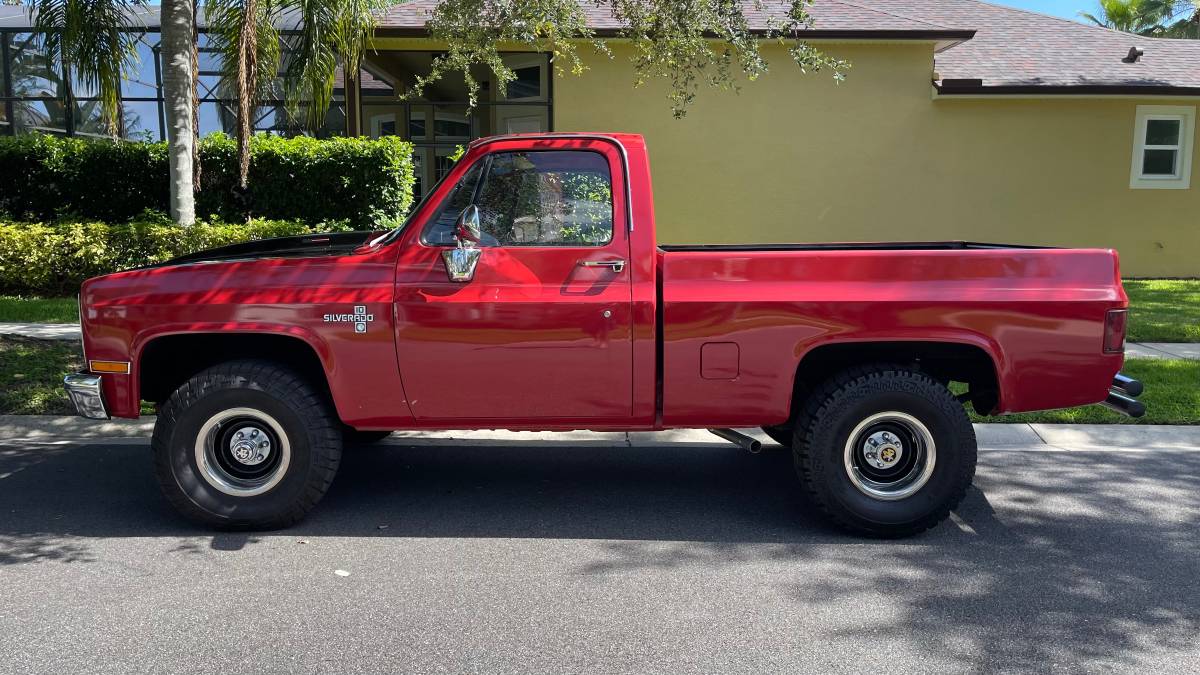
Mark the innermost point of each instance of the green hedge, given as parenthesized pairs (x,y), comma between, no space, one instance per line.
(44,176)
(361,182)
(53,259)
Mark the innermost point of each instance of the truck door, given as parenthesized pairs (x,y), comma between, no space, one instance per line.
(543,327)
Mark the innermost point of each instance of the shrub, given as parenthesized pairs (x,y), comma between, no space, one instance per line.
(52,259)
(103,180)
(355,180)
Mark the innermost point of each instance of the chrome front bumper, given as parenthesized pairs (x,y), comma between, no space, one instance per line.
(87,395)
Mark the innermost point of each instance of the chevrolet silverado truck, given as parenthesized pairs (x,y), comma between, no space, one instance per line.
(527,292)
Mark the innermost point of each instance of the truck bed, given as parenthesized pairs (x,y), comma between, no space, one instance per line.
(737,320)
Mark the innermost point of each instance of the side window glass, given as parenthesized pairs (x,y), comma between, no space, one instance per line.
(439,231)
(546,198)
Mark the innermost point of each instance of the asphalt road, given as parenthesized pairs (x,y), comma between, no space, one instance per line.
(689,558)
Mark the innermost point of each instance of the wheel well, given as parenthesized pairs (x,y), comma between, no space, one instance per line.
(167,362)
(944,361)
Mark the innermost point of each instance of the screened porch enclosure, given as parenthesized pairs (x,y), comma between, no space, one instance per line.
(37,95)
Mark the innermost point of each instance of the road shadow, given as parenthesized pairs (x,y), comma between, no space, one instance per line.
(686,492)
(1056,560)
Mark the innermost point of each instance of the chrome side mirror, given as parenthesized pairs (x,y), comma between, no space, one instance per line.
(467,229)
(463,258)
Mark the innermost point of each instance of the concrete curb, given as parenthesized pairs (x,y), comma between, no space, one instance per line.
(42,331)
(51,428)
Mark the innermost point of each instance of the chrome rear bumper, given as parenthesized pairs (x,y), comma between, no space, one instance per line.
(87,395)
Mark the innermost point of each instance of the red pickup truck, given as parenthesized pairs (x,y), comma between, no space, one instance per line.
(527,291)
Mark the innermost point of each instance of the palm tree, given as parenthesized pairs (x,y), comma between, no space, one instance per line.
(244,33)
(1154,18)
(247,35)
(1181,19)
(178,21)
(1131,16)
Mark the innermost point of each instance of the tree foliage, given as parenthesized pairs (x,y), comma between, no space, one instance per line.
(688,43)
(1180,19)
(1154,18)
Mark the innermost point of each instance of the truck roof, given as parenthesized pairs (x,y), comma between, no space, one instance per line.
(622,138)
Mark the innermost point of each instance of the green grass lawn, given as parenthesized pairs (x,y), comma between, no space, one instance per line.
(1172,396)
(17,309)
(31,375)
(1164,310)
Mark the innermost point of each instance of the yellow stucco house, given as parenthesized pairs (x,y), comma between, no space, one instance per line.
(958,120)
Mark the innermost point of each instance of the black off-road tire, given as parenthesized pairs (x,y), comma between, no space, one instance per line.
(785,433)
(822,444)
(353,436)
(782,434)
(311,433)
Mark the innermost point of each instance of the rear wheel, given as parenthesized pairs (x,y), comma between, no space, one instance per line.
(782,434)
(246,444)
(884,450)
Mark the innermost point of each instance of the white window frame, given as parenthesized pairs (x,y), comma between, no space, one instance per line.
(1181,179)
(377,122)
(519,61)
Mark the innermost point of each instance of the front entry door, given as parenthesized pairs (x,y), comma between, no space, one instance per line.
(544,329)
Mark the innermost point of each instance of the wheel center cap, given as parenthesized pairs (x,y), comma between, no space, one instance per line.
(883,450)
(250,446)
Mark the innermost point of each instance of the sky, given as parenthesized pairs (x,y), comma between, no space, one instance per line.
(1068,9)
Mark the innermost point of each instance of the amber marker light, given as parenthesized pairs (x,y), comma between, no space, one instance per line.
(119,367)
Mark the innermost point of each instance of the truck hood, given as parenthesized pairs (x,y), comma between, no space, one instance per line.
(306,246)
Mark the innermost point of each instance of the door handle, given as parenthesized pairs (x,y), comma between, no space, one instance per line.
(614,265)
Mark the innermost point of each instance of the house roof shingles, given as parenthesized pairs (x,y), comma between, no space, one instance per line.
(1011,51)
(1015,49)
(832,16)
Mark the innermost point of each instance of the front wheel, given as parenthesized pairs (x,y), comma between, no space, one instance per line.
(352,436)
(885,450)
(246,444)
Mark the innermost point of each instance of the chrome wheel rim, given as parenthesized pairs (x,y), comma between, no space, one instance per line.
(242,452)
(890,455)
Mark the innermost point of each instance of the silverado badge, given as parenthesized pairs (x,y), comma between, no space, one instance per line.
(359,318)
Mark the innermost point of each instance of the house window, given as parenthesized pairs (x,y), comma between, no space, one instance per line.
(528,83)
(1162,147)
(443,118)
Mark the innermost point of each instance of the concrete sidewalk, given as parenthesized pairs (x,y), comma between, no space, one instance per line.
(42,331)
(1145,350)
(1163,350)
(1090,437)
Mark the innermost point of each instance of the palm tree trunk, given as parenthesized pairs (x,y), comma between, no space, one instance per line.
(246,85)
(195,98)
(178,40)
